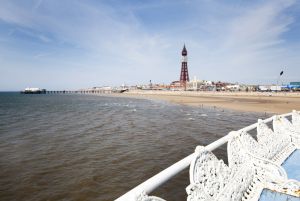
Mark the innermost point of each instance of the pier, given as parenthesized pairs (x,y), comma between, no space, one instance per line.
(81,91)
(97,91)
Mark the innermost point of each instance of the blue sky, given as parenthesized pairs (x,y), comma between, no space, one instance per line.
(73,44)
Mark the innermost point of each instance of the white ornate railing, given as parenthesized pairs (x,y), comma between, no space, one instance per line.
(141,191)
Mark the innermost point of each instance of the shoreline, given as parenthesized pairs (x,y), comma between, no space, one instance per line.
(276,103)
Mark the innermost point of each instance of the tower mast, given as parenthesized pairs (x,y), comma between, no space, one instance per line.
(184,75)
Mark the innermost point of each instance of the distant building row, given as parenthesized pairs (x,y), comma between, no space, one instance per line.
(203,85)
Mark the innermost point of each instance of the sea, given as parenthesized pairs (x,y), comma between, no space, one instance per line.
(87,147)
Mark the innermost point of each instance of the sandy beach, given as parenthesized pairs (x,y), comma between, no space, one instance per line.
(242,101)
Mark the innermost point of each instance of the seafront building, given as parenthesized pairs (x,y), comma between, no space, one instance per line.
(195,84)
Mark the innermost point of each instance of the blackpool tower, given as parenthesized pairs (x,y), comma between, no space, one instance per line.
(184,75)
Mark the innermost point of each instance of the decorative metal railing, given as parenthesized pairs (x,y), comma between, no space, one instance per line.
(253,165)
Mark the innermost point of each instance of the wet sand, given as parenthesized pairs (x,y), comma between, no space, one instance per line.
(240,101)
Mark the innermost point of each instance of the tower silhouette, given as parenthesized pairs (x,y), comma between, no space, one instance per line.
(184,75)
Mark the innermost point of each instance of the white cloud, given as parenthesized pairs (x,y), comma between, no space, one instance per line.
(250,45)
(232,42)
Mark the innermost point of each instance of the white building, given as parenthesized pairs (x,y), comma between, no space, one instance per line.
(195,85)
(234,87)
(269,88)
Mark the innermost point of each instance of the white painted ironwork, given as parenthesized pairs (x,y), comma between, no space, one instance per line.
(283,125)
(296,119)
(144,197)
(266,155)
(273,143)
(213,180)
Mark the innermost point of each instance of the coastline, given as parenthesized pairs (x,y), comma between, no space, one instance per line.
(267,102)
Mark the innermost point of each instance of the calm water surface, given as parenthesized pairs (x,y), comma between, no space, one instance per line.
(83,147)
